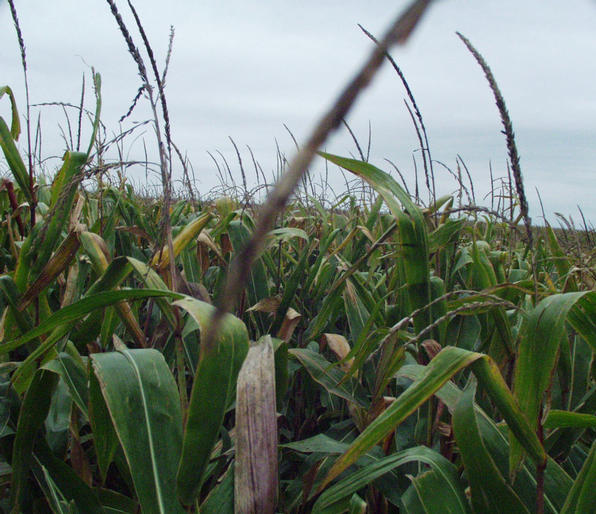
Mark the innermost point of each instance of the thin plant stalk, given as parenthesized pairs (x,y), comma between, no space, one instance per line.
(278,198)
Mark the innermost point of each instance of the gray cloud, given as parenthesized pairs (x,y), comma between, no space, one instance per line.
(242,69)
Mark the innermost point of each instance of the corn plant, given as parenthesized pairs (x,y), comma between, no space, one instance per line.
(384,356)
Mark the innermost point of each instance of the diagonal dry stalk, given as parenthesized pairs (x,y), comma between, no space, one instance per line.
(240,267)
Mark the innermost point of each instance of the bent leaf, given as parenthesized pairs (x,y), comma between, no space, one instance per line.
(490,491)
(212,390)
(141,396)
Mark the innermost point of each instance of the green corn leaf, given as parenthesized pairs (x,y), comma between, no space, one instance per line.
(537,358)
(285,234)
(105,440)
(116,503)
(557,482)
(564,419)
(440,370)
(490,492)
(96,249)
(63,193)
(111,278)
(428,494)
(14,160)
(221,498)
(212,390)
(66,481)
(11,295)
(290,287)
(452,492)
(582,317)
(22,376)
(141,396)
(153,281)
(582,497)
(446,233)
(79,309)
(412,232)
(446,364)
(330,376)
(74,375)
(560,260)
(257,286)
(34,410)
(356,311)
(319,443)
(15,124)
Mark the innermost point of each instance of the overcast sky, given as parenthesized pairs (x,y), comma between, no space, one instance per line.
(244,69)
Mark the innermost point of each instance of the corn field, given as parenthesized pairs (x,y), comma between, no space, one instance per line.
(167,355)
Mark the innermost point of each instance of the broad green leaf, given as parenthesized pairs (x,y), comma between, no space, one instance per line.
(452,490)
(440,370)
(257,287)
(536,360)
(116,503)
(284,234)
(582,497)
(218,364)
(490,491)
(153,281)
(63,193)
(319,443)
(105,439)
(428,494)
(221,498)
(95,247)
(560,260)
(564,419)
(79,309)
(582,318)
(66,481)
(556,482)
(34,410)
(74,376)
(291,285)
(142,398)
(11,295)
(446,364)
(355,310)
(446,233)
